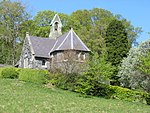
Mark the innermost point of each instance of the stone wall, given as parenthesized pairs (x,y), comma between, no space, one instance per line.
(26,56)
(69,61)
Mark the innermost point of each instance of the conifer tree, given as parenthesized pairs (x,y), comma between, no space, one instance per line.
(117,42)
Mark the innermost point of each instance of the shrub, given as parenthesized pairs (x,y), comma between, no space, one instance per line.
(129,95)
(35,76)
(114,92)
(10,72)
(64,81)
(148,99)
(129,73)
(1,69)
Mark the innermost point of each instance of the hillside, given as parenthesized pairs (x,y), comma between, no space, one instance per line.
(21,97)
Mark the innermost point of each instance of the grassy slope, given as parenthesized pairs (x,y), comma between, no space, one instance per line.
(18,97)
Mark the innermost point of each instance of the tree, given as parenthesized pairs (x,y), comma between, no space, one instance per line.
(12,14)
(129,73)
(98,73)
(144,67)
(43,19)
(117,42)
(27,26)
(99,69)
(91,26)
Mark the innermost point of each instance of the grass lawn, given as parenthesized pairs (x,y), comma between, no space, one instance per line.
(21,97)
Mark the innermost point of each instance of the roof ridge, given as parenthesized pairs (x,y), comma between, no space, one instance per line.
(53,47)
(71,38)
(31,46)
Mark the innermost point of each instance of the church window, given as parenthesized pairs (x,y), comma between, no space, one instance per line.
(43,62)
(81,56)
(56,26)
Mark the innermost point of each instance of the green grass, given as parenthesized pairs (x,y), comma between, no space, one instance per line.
(22,97)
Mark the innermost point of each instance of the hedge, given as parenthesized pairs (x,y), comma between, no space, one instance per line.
(33,75)
(9,72)
(129,95)
(28,75)
(115,92)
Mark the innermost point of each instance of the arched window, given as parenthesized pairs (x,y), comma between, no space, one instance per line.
(56,26)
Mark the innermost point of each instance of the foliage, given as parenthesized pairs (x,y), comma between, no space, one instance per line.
(97,89)
(144,67)
(114,92)
(1,69)
(128,95)
(145,64)
(64,81)
(28,26)
(130,75)
(9,73)
(99,68)
(42,21)
(18,96)
(148,99)
(98,72)
(117,42)
(35,76)
(12,14)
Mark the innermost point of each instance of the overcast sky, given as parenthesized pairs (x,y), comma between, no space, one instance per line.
(136,11)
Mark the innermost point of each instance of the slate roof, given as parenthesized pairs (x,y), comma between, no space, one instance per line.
(42,47)
(69,41)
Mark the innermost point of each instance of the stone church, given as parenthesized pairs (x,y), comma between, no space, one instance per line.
(43,53)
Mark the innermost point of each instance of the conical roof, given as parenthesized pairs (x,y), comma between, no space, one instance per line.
(69,41)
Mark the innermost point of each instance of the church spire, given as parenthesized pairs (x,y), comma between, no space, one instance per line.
(56,25)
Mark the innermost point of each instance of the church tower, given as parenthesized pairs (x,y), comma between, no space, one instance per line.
(56,25)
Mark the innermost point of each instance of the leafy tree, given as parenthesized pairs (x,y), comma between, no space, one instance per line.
(144,67)
(12,14)
(133,32)
(28,26)
(91,26)
(130,75)
(43,19)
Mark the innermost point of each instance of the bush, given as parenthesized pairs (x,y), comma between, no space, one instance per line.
(114,92)
(63,81)
(1,69)
(11,73)
(35,76)
(129,95)
(69,81)
(148,99)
